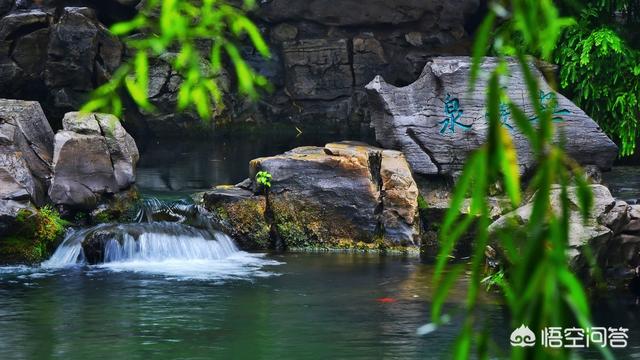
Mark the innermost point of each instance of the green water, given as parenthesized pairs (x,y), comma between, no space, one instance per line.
(322,306)
(312,307)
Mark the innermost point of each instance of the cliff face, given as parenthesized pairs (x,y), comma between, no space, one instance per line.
(325,51)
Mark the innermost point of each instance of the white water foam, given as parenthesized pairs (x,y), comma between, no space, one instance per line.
(172,250)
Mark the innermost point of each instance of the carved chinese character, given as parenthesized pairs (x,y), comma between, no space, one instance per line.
(454,113)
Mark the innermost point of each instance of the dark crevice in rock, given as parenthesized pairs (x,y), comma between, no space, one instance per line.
(426,150)
(375,166)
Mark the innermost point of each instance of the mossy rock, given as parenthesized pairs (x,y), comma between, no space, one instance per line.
(304,225)
(241,214)
(247,222)
(120,207)
(35,234)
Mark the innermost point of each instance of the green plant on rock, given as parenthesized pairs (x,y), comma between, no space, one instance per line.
(202,34)
(539,288)
(264,178)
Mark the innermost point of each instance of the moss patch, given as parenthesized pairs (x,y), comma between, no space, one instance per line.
(304,226)
(120,208)
(245,221)
(35,236)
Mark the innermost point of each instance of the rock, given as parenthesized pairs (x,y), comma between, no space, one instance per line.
(122,147)
(601,232)
(241,214)
(370,12)
(284,32)
(14,23)
(9,211)
(615,216)
(26,151)
(15,177)
(94,157)
(399,196)
(317,69)
(325,196)
(77,41)
(85,124)
(368,59)
(414,38)
(321,198)
(30,50)
(82,170)
(436,122)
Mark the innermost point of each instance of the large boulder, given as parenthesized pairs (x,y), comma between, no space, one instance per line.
(436,122)
(26,151)
(342,193)
(93,156)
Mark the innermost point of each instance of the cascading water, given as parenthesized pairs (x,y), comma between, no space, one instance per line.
(159,247)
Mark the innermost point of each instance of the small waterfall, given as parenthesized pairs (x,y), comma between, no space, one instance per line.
(160,247)
(157,241)
(171,239)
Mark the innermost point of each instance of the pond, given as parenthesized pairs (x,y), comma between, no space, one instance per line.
(297,306)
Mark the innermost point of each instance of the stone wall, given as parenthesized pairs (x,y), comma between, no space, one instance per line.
(324,52)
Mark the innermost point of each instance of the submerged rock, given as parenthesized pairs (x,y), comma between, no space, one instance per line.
(325,196)
(436,122)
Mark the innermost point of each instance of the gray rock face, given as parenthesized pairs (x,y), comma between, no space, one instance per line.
(344,192)
(122,148)
(368,12)
(93,156)
(56,58)
(436,122)
(318,69)
(323,52)
(26,151)
(76,43)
